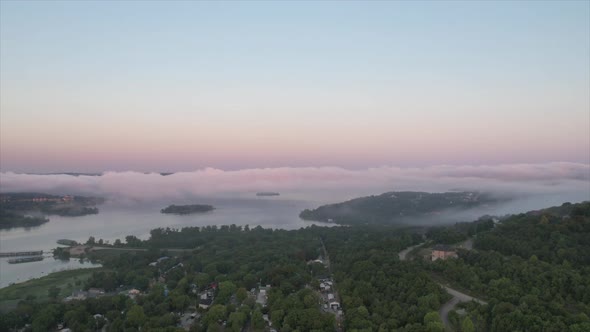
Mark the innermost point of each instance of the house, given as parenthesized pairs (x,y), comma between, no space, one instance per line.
(205,303)
(77,295)
(262,296)
(133,293)
(95,292)
(334,305)
(330,297)
(441,251)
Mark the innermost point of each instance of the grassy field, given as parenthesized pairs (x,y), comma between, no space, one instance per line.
(65,280)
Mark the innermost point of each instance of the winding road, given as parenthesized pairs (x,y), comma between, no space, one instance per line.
(404,253)
(458,296)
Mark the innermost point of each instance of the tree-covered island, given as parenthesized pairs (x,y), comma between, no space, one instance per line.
(187,209)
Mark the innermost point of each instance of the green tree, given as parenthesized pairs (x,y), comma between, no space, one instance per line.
(135,317)
(241,294)
(433,322)
(257,319)
(467,325)
(53,292)
(237,320)
(216,313)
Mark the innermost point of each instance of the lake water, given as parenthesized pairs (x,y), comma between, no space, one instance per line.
(115,221)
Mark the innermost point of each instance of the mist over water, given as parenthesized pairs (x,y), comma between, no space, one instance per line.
(134,199)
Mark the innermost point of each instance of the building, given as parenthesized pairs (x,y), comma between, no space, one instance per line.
(441,251)
(95,292)
(205,303)
(133,293)
(262,296)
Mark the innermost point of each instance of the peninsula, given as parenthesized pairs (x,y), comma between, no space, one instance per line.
(30,209)
(397,207)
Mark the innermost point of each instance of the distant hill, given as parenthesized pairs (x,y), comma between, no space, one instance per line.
(555,234)
(397,207)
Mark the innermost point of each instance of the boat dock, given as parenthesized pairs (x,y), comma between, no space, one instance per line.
(21,253)
(25,259)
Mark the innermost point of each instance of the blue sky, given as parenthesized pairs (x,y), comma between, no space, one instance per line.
(239,83)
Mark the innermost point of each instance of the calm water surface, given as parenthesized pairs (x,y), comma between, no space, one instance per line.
(115,221)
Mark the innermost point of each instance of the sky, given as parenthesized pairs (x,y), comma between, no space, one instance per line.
(180,86)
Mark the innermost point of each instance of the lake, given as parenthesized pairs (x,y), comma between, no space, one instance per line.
(117,220)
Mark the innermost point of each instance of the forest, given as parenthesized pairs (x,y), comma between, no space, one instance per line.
(187,209)
(397,208)
(532,270)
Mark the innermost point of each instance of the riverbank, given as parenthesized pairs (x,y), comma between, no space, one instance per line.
(66,281)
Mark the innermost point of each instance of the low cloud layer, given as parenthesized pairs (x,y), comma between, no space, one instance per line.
(551,182)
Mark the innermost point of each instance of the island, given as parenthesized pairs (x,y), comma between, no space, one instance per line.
(67,242)
(187,209)
(398,207)
(9,219)
(30,209)
(267,193)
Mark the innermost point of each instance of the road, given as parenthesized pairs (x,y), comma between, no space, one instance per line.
(458,297)
(467,244)
(404,253)
(339,318)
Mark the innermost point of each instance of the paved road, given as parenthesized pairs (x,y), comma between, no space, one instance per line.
(467,244)
(457,298)
(457,295)
(404,253)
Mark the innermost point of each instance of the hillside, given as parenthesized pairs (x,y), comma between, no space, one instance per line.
(396,207)
(532,268)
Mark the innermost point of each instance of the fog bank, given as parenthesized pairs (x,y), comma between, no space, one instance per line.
(532,185)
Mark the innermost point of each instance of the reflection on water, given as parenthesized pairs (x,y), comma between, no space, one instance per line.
(14,273)
(116,221)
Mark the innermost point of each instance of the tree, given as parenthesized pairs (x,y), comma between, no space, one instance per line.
(135,316)
(467,325)
(226,289)
(90,241)
(241,294)
(433,322)
(53,292)
(237,320)
(257,319)
(180,302)
(216,313)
